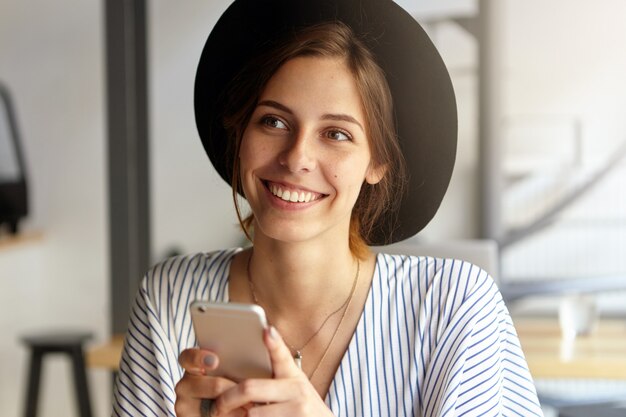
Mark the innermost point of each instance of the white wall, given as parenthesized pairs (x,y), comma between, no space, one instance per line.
(192,206)
(51,57)
(565,61)
(457,217)
(565,57)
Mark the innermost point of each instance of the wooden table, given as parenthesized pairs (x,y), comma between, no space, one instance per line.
(106,355)
(23,238)
(602,354)
(599,355)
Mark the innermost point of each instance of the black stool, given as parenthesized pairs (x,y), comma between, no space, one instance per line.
(68,343)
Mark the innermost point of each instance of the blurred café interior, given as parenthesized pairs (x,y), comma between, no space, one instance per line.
(102,174)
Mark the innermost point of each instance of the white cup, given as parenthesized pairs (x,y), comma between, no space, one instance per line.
(578,315)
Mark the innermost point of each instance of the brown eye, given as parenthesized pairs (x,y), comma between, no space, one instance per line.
(338,135)
(273,122)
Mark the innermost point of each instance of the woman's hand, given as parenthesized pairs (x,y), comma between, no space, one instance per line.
(289,393)
(196,385)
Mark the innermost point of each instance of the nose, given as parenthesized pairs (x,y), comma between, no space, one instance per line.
(299,154)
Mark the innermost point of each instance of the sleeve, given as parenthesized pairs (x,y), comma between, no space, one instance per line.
(478,367)
(149,368)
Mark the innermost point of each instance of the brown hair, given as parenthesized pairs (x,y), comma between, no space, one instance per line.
(333,40)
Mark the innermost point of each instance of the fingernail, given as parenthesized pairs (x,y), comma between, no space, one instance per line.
(273,333)
(209,360)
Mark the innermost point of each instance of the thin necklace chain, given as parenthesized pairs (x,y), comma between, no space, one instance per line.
(343,315)
(346,304)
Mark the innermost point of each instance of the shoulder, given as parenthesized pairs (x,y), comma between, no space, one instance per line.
(435,288)
(427,272)
(199,273)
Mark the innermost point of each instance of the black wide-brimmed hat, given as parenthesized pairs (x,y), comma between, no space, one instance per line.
(423,98)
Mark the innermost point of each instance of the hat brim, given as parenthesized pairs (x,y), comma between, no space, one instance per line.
(424,101)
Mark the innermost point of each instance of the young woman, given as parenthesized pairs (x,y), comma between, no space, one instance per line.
(309,111)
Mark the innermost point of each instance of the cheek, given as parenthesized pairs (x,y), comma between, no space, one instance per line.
(244,148)
(348,175)
(248,150)
(347,167)
(254,155)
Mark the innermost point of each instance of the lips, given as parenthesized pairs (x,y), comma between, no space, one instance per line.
(293,195)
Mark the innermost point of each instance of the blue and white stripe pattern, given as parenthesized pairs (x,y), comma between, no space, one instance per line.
(434,339)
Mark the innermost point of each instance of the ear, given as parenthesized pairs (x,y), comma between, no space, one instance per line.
(375,173)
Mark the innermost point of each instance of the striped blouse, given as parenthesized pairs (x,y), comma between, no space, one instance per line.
(434,339)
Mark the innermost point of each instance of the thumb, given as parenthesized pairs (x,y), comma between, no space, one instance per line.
(283,364)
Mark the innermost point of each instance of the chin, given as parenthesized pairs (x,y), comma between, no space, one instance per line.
(296,232)
(284,233)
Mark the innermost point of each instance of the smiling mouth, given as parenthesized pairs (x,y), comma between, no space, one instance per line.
(292,195)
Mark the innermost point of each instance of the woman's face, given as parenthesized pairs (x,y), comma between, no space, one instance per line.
(305,154)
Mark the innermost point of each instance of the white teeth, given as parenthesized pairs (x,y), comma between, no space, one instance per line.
(292,196)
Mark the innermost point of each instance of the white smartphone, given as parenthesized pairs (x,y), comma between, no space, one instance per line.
(234,332)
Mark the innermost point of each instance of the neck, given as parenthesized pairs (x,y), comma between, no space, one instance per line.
(300,278)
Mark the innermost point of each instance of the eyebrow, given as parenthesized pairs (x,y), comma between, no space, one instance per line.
(339,117)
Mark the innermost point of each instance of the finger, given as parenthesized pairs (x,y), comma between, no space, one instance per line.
(239,412)
(198,361)
(283,365)
(187,407)
(194,408)
(263,391)
(274,410)
(196,386)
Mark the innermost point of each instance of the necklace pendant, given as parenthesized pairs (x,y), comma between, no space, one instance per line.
(297,358)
